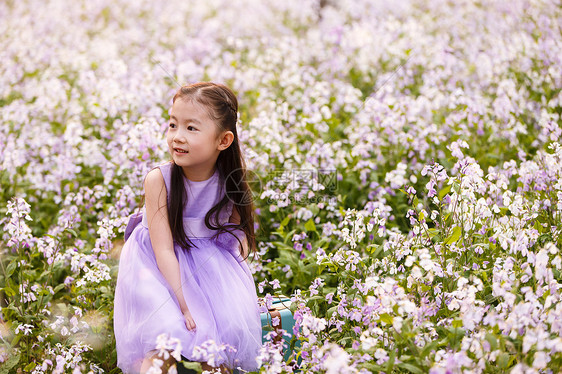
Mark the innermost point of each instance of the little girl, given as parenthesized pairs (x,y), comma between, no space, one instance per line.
(182,269)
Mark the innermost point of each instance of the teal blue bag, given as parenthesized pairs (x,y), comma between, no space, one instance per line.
(279,308)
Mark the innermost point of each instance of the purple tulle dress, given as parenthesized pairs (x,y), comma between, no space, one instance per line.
(217,284)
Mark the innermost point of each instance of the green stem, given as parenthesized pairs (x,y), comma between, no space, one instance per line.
(49,276)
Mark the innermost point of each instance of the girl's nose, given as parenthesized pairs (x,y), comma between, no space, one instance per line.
(180,136)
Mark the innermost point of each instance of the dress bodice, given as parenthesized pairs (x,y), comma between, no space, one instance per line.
(201,197)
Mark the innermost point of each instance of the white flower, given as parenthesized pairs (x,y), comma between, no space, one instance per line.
(24,328)
(211,352)
(541,262)
(64,331)
(166,346)
(397,323)
(311,323)
(541,360)
(381,355)
(397,177)
(16,230)
(367,341)
(455,148)
(336,359)
(409,261)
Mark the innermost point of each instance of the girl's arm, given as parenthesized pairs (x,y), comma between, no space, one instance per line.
(160,233)
(235,218)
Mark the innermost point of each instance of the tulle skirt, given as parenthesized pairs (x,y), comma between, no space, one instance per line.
(219,291)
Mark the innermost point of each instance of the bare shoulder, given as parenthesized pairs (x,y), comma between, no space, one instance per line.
(154,181)
(154,177)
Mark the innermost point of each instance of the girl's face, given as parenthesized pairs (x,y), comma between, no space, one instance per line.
(193,139)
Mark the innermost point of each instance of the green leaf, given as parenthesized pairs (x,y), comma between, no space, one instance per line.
(12,361)
(455,336)
(457,323)
(444,191)
(411,368)
(30,366)
(490,338)
(331,311)
(428,348)
(432,232)
(333,331)
(9,291)
(11,268)
(58,287)
(72,232)
(405,358)
(374,368)
(455,235)
(288,237)
(386,318)
(390,362)
(285,221)
(502,360)
(343,340)
(456,186)
(309,225)
(192,365)
(377,251)
(283,246)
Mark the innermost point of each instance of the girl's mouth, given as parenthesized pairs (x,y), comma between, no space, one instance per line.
(180,150)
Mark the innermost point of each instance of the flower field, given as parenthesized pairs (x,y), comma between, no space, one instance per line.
(406,163)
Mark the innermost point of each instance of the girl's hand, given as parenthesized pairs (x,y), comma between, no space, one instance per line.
(189,322)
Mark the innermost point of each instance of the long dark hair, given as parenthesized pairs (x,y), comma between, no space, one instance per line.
(222,106)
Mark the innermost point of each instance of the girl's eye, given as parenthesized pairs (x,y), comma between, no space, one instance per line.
(172,125)
(191,127)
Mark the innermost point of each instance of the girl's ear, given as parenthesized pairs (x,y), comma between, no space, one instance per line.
(225,140)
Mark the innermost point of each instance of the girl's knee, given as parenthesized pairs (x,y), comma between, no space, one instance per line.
(150,361)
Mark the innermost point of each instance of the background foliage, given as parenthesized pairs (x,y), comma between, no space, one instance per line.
(410,181)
